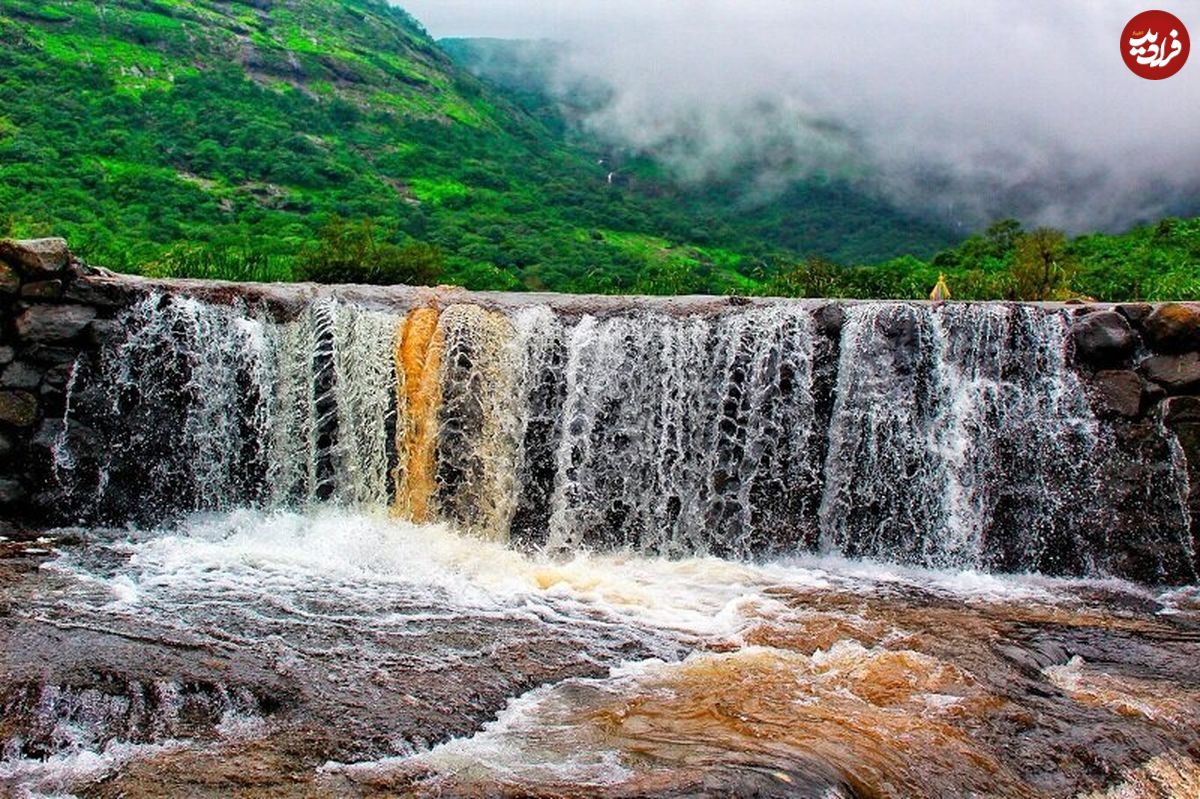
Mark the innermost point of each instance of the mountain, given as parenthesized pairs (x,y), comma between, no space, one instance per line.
(148,130)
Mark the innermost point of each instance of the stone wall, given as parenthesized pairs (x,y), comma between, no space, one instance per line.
(49,314)
(1142,365)
(1140,361)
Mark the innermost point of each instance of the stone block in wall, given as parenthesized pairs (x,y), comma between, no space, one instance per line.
(98,295)
(43,290)
(20,375)
(1173,328)
(42,323)
(49,355)
(18,408)
(1103,338)
(1178,374)
(36,258)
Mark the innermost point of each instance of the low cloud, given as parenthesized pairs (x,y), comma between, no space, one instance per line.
(968,110)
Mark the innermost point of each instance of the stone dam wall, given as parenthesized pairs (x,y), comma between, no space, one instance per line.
(1139,362)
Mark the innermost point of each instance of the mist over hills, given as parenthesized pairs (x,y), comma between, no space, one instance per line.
(709,95)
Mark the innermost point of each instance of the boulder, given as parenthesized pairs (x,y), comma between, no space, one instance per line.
(36,257)
(1173,328)
(20,375)
(1136,313)
(18,408)
(1178,374)
(10,281)
(6,355)
(41,323)
(1117,392)
(1103,339)
(830,319)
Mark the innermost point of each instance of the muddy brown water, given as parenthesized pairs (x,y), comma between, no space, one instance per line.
(332,655)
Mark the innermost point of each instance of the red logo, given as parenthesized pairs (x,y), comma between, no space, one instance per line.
(1155,45)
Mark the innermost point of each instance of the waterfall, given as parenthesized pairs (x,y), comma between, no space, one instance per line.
(955,436)
(961,437)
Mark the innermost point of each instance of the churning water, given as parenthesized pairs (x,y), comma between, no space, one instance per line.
(467,552)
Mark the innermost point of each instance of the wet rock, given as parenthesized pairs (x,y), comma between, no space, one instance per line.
(6,355)
(18,408)
(1136,313)
(1178,374)
(1117,393)
(41,323)
(830,319)
(1103,339)
(1182,410)
(10,281)
(48,356)
(36,256)
(43,290)
(20,375)
(1173,328)
(11,492)
(6,447)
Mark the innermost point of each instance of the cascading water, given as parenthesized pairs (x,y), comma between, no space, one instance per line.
(957,436)
(333,548)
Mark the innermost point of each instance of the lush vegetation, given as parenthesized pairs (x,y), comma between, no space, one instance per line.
(195,135)
(333,140)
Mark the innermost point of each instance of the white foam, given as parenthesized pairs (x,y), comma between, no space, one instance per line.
(61,774)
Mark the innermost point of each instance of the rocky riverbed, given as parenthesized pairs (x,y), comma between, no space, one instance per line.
(250,655)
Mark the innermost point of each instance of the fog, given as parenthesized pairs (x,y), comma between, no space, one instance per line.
(972,110)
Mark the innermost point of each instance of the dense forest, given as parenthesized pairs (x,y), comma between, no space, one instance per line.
(335,141)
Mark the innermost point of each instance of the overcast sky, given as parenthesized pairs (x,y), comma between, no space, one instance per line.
(1028,102)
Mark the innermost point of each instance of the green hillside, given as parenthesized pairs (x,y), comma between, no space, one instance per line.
(181,135)
(334,140)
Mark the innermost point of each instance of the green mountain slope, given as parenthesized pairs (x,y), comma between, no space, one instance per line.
(145,129)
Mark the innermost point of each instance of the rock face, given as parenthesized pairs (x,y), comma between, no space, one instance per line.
(1103,339)
(1140,363)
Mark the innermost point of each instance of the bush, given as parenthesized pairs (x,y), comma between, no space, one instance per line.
(349,253)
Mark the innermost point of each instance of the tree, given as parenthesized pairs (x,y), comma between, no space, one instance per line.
(1042,267)
(348,252)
